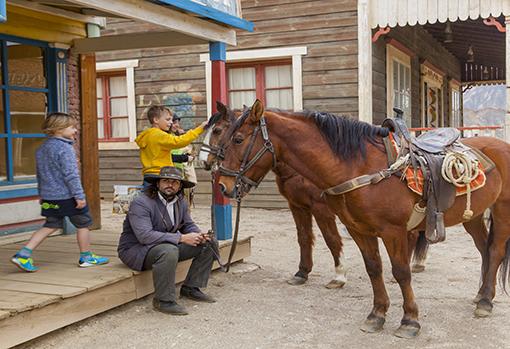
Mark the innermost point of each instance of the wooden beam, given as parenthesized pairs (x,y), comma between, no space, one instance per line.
(101,21)
(364,63)
(134,41)
(88,145)
(165,17)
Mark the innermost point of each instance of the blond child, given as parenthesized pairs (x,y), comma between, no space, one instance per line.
(61,192)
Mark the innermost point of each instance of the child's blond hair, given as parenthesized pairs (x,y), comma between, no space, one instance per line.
(57,121)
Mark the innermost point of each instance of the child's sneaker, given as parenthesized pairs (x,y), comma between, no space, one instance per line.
(25,264)
(91,260)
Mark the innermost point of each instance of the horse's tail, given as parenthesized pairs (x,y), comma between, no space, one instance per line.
(421,248)
(504,268)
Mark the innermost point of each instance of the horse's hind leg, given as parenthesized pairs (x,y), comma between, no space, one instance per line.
(398,252)
(497,251)
(369,248)
(303,221)
(326,220)
(419,248)
(478,231)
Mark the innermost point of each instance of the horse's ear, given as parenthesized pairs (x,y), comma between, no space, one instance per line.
(222,108)
(257,110)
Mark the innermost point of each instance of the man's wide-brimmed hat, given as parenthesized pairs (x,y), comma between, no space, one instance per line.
(170,172)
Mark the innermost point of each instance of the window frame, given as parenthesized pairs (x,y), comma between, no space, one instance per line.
(455,115)
(260,81)
(107,118)
(51,102)
(433,77)
(128,67)
(294,53)
(400,54)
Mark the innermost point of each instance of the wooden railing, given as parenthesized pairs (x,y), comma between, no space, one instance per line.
(469,131)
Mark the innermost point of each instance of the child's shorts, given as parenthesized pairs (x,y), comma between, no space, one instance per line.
(83,220)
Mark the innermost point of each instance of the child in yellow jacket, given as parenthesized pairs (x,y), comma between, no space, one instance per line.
(156,143)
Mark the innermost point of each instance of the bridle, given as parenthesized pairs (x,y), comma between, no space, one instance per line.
(242,180)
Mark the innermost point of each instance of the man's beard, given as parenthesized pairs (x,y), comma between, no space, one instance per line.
(168,197)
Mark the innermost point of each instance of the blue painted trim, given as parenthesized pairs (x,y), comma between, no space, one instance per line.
(28,135)
(18,193)
(51,78)
(209,12)
(223,221)
(218,51)
(22,229)
(19,181)
(24,40)
(3,10)
(24,88)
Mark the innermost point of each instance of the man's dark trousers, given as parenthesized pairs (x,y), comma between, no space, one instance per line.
(163,259)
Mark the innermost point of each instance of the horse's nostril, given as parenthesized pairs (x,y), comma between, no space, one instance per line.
(223,188)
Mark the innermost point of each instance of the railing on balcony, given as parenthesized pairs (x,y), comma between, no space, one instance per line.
(469,131)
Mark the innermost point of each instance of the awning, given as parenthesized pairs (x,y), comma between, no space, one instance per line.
(390,13)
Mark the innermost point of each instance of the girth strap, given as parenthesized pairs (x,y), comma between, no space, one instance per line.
(358,182)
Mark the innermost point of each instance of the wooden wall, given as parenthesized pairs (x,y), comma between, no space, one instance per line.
(175,77)
(424,46)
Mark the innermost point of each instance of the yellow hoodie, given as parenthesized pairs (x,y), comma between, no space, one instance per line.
(156,145)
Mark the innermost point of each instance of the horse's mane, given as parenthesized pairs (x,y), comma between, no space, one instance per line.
(347,137)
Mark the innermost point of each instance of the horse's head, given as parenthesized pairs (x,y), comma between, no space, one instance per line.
(247,153)
(218,125)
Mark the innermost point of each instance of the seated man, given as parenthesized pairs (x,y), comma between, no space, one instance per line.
(158,232)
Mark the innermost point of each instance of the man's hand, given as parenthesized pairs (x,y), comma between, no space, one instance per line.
(194,239)
(81,203)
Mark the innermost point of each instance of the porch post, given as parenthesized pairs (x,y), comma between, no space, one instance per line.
(507,78)
(222,209)
(364,63)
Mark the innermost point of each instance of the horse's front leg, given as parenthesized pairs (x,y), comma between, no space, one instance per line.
(397,247)
(303,221)
(369,248)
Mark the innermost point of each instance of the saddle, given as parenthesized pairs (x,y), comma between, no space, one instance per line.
(427,153)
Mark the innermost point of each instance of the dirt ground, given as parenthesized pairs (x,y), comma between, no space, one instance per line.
(256,308)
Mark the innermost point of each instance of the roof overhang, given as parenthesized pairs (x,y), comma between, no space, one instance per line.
(390,13)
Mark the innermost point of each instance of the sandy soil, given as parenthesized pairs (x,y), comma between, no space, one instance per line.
(256,308)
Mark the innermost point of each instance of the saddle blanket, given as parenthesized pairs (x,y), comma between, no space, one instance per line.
(414,178)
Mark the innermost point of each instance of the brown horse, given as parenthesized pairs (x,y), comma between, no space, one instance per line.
(304,202)
(329,150)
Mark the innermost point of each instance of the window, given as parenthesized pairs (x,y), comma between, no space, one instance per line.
(116,109)
(24,102)
(455,110)
(271,82)
(112,116)
(273,75)
(432,96)
(398,70)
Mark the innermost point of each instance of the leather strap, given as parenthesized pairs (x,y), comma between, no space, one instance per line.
(358,182)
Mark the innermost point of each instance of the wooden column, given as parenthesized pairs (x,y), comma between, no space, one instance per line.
(222,209)
(89,152)
(364,63)
(507,78)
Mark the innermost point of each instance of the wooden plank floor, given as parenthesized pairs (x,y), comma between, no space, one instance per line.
(60,293)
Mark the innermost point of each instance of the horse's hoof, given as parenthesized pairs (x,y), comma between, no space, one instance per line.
(418,268)
(335,284)
(296,280)
(408,330)
(373,324)
(483,308)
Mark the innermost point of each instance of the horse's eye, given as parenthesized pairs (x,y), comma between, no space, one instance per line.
(217,131)
(238,140)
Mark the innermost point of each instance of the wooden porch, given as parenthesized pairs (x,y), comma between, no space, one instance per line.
(60,293)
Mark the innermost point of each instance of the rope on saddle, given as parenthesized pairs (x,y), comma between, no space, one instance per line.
(460,170)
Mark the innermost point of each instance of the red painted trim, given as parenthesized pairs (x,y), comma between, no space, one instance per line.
(379,33)
(25,198)
(401,47)
(107,117)
(491,21)
(22,224)
(218,83)
(434,68)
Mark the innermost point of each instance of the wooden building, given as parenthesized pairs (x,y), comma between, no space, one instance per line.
(358,58)
(48,64)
